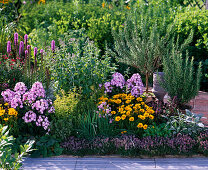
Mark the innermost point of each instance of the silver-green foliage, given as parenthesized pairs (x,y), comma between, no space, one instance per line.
(180,79)
(78,64)
(8,159)
(188,123)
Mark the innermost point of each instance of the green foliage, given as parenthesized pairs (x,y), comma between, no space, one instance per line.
(90,125)
(158,130)
(47,146)
(50,21)
(8,159)
(142,44)
(187,123)
(77,64)
(180,80)
(196,21)
(65,106)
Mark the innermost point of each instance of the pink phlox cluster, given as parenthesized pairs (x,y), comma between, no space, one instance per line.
(118,80)
(51,110)
(135,84)
(20,88)
(29,117)
(8,95)
(40,105)
(43,121)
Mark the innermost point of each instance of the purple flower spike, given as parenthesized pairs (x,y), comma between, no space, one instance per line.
(41,51)
(35,51)
(53,45)
(26,53)
(8,47)
(28,48)
(26,39)
(15,39)
(21,48)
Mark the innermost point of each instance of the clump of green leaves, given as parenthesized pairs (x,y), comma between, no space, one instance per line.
(180,79)
(47,146)
(77,64)
(8,159)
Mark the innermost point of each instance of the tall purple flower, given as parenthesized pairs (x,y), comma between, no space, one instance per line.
(53,45)
(26,53)
(15,39)
(35,51)
(26,39)
(28,47)
(21,48)
(8,47)
(41,51)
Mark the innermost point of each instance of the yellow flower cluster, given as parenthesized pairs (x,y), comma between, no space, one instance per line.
(6,112)
(125,107)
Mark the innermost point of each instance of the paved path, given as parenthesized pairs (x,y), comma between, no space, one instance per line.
(200,105)
(115,163)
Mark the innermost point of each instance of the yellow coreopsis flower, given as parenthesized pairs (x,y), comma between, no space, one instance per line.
(6,119)
(140,125)
(118,101)
(142,117)
(103,4)
(123,132)
(118,118)
(113,112)
(139,99)
(146,114)
(151,116)
(145,126)
(128,113)
(131,119)
(142,110)
(151,111)
(123,117)
(128,101)
(12,111)
(6,104)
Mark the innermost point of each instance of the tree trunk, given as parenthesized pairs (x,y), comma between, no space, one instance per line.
(147,80)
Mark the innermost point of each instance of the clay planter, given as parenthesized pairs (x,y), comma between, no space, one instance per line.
(158,91)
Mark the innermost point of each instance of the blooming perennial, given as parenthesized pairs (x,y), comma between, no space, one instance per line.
(126,109)
(35,99)
(133,85)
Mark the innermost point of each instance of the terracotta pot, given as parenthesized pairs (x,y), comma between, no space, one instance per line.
(158,91)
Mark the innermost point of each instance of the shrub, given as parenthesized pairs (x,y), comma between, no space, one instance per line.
(65,110)
(180,80)
(8,159)
(78,65)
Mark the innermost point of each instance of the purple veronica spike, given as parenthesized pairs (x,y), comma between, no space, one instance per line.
(8,47)
(53,45)
(15,39)
(21,48)
(26,39)
(35,51)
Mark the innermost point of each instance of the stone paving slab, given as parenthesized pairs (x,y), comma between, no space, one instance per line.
(114,163)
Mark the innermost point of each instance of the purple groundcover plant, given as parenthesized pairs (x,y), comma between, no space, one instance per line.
(179,144)
(32,103)
(133,85)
